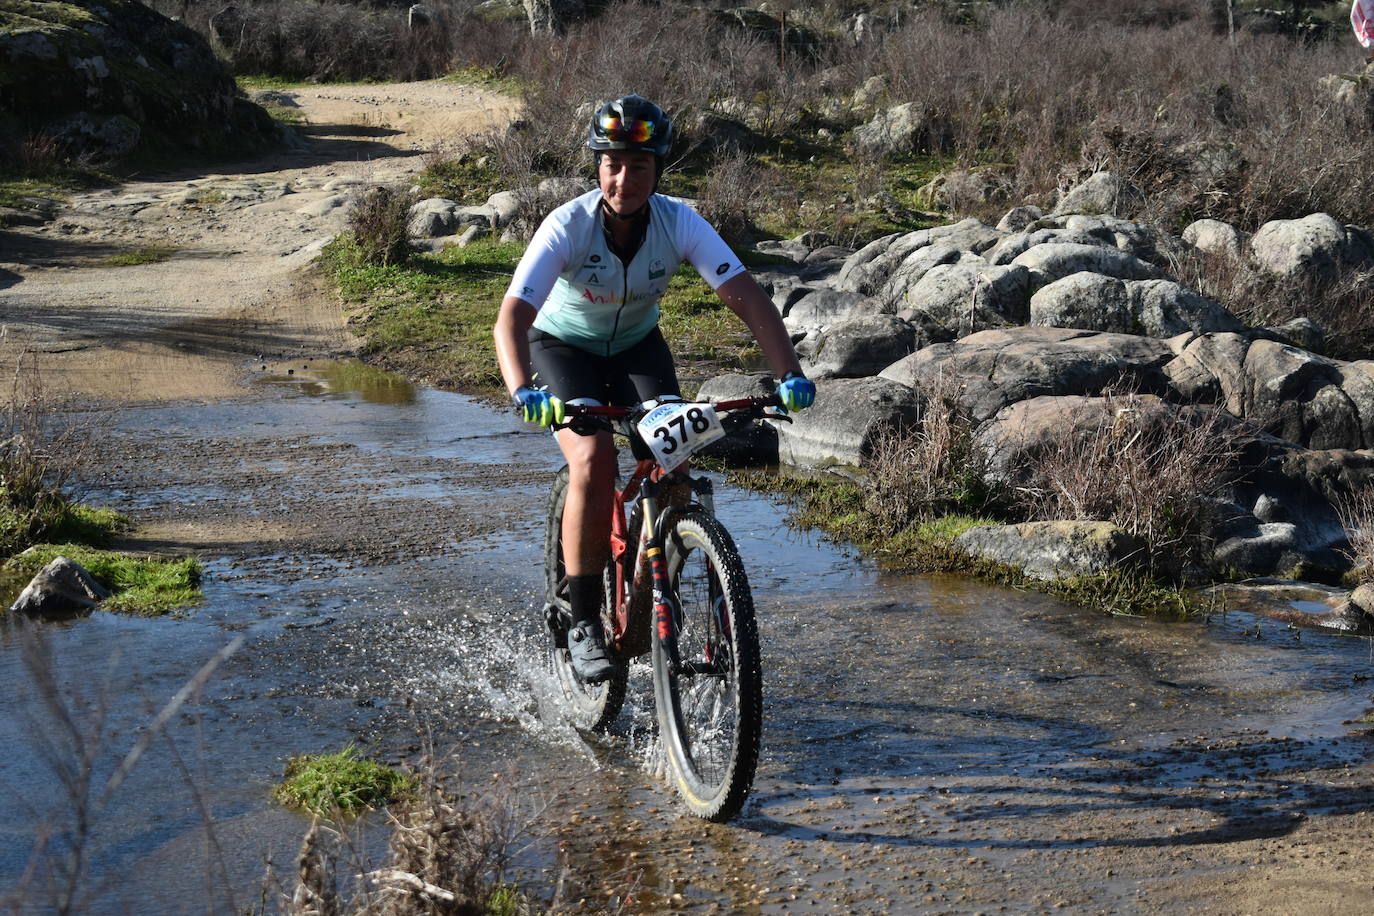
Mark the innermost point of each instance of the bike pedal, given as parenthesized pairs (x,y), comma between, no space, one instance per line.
(557,626)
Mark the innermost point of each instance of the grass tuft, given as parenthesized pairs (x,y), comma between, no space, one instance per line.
(328,785)
(141,586)
(148,254)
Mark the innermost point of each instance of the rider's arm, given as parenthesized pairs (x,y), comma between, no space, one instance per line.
(748,300)
(534,278)
(720,267)
(512,341)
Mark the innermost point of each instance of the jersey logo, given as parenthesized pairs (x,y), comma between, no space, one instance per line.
(528,291)
(657,269)
(592,279)
(595,259)
(599,299)
(722,268)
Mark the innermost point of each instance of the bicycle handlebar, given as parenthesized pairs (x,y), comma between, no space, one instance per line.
(613,411)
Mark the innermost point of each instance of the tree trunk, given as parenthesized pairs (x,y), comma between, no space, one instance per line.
(553,15)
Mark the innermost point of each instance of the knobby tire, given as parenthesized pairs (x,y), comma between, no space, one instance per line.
(710,721)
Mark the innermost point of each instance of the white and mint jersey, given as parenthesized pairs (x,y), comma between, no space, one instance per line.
(583,292)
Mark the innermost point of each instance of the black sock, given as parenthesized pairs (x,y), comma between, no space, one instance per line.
(584,596)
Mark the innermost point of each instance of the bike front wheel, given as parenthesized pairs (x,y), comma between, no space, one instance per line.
(590,707)
(710,706)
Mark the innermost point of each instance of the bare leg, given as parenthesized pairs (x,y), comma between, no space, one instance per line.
(587,512)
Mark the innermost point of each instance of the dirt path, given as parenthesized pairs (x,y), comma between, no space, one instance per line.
(231,288)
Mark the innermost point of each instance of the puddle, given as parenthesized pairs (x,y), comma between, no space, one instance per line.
(919,731)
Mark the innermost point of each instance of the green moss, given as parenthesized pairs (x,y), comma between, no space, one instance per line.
(340,783)
(141,586)
(148,254)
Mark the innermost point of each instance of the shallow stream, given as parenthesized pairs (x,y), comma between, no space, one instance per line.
(930,744)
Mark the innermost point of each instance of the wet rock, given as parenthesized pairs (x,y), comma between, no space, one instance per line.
(1056,550)
(61,588)
(847,417)
(1001,367)
(754,444)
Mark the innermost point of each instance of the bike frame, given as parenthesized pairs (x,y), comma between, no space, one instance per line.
(632,552)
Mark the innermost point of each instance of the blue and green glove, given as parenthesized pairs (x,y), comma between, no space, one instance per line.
(536,406)
(796,391)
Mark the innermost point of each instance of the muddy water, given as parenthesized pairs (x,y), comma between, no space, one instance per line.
(931,745)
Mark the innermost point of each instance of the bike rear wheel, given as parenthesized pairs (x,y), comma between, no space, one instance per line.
(710,711)
(590,707)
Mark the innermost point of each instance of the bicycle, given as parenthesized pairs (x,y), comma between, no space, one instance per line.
(677,590)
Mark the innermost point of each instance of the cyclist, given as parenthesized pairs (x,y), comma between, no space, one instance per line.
(579,322)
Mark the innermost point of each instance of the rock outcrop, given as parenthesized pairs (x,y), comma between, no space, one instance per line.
(111,79)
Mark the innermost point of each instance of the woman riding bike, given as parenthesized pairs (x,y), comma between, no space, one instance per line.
(579,323)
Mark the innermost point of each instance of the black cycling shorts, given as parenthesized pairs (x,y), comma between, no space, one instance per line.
(642,372)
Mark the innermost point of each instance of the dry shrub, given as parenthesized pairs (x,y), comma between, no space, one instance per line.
(735,191)
(1148,468)
(929,470)
(378,223)
(1343,307)
(41,450)
(447,853)
(1356,513)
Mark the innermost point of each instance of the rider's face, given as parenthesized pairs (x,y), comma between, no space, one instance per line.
(626,179)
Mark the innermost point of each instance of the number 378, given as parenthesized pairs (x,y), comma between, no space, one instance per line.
(692,416)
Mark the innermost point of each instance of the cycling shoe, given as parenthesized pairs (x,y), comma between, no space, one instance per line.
(591,661)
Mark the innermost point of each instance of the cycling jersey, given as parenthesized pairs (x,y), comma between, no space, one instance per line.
(1362,19)
(588,297)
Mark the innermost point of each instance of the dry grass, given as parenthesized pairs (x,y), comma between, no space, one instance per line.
(1148,468)
(932,470)
(1356,512)
(41,450)
(448,854)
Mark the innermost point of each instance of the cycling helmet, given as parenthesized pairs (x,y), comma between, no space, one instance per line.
(631,123)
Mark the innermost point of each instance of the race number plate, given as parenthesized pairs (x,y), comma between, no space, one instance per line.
(674,431)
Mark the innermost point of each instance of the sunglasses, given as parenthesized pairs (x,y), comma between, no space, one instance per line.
(626,130)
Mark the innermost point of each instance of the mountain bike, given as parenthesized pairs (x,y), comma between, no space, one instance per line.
(676,590)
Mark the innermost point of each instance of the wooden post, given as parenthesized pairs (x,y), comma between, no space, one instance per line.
(1231,21)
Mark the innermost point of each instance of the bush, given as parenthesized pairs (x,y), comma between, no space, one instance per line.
(40,453)
(1150,469)
(1356,512)
(378,224)
(932,470)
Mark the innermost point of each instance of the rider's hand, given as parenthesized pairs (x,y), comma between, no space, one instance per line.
(537,406)
(796,391)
